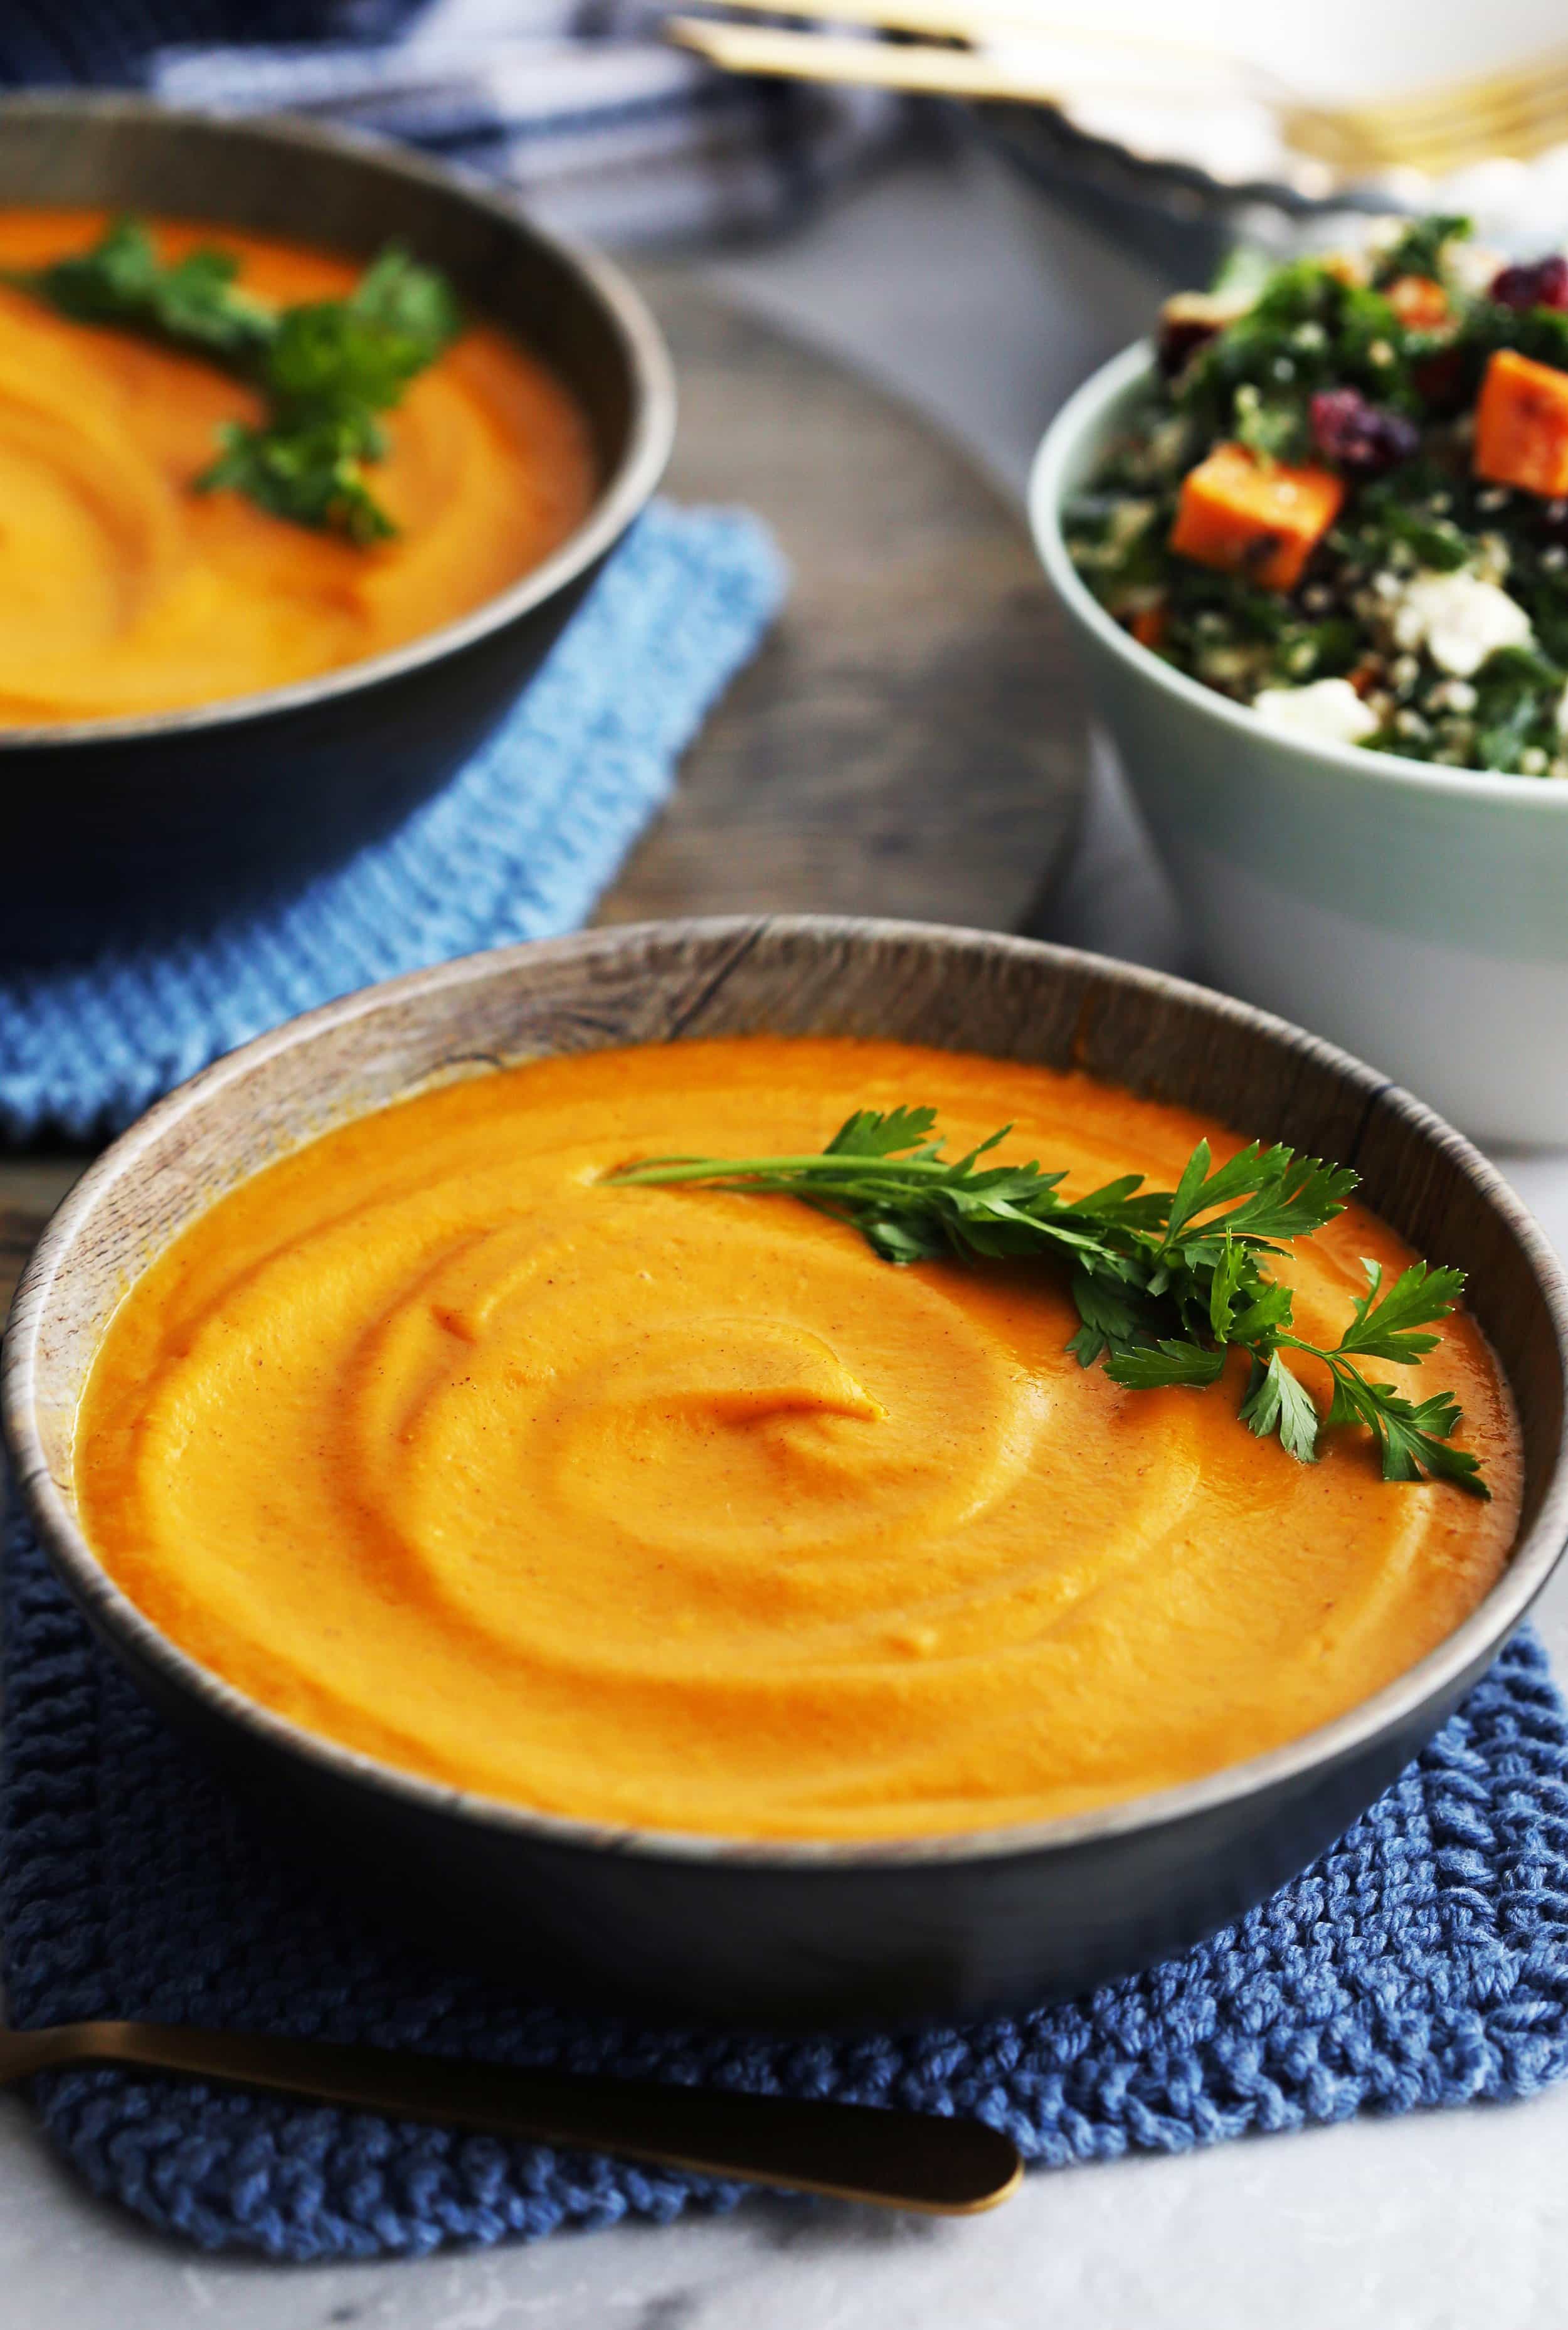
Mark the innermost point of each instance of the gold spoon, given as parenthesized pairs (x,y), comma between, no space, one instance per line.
(849,2152)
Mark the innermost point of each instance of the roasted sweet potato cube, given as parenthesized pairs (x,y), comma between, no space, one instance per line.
(1419,301)
(1248,517)
(1522,425)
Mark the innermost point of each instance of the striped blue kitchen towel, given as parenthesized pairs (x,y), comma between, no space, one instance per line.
(1422,1961)
(606,129)
(518,846)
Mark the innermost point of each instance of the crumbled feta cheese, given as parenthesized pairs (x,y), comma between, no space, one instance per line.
(1532,762)
(1451,695)
(1327,711)
(1554,558)
(1562,713)
(1167,443)
(1472,265)
(1459,620)
(1128,519)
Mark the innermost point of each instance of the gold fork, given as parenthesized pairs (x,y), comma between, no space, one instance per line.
(1520,111)
(848,2152)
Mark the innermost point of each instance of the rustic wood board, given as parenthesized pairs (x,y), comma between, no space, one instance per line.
(911,739)
(909,742)
(30,1190)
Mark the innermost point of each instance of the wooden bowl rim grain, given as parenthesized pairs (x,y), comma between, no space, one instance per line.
(663,982)
(625,489)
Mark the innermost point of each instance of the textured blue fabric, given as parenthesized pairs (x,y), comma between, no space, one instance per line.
(609,133)
(518,846)
(113,40)
(1424,1960)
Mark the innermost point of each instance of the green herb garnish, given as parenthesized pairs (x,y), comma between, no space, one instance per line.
(1166,1282)
(1422,248)
(327,369)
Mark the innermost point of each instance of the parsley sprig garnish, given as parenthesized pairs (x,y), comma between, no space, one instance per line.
(1166,1282)
(327,368)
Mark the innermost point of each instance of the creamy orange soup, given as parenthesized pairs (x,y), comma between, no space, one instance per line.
(125,591)
(680,1509)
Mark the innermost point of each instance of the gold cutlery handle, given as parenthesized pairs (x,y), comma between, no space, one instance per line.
(853,2152)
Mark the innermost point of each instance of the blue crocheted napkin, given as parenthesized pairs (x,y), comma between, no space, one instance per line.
(1424,1960)
(518,846)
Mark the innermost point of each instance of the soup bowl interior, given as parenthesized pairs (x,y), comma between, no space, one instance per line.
(815,1931)
(124,822)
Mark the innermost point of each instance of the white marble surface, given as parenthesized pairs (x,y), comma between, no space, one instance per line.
(938,282)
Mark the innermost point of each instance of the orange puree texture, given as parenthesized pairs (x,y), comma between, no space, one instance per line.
(126,593)
(680,1509)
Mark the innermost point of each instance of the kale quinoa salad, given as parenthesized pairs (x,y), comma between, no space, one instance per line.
(1346,501)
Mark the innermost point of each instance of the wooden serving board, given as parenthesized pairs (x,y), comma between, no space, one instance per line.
(30,1190)
(909,742)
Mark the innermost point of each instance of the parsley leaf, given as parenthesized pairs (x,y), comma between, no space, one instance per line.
(1167,1362)
(867,1134)
(327,368)
(1163,1282)
(122,281)
(1420,249)
(1382,1323)
(1278,1401)
(1112,1318)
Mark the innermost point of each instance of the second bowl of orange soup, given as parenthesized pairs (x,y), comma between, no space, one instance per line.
(201,700)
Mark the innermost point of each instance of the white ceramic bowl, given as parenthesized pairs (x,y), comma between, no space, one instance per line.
(1417,916)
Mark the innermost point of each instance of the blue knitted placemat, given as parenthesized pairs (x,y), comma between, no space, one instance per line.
(1424,1960)
(518,846)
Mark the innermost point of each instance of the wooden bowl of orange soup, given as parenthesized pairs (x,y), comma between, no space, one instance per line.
(202,705)
(666,1594)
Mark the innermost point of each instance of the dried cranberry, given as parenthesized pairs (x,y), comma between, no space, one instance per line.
(1179,337)
(1187,322)
(1442,381)
(1544,285)
(1359,435)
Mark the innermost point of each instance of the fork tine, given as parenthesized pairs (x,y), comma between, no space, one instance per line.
(949,19)
(812,56)
(1522,111)
(1528,123)
(1544,102)
(981,20)
(1440,101)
